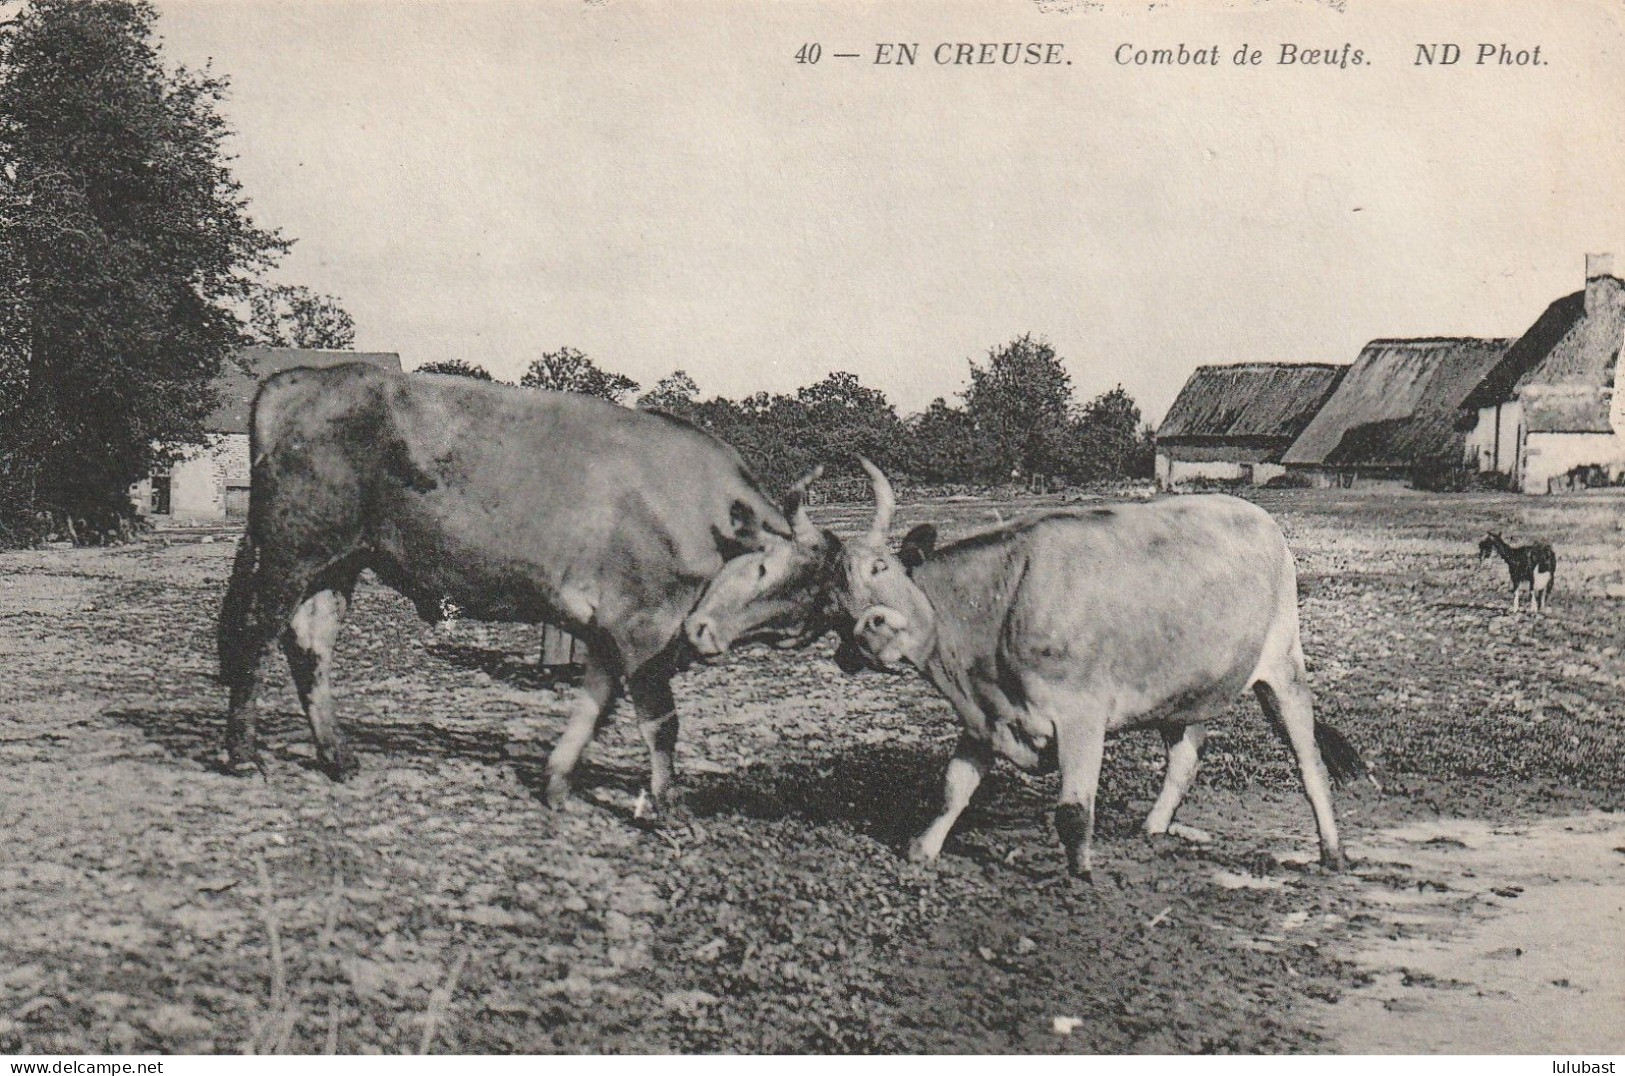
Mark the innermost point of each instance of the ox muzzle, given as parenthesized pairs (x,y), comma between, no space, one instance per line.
(710,640)
(705,636)
(879,640)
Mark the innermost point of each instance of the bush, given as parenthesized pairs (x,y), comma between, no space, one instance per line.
(1203,483)
(1445,478)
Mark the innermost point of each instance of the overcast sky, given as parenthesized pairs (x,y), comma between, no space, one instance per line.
(663,186)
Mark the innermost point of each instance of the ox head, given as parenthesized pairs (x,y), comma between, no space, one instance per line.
(1486,545)
(792,594)
(883,618)
(777,595)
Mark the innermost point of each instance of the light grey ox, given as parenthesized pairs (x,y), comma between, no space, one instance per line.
(1048,633)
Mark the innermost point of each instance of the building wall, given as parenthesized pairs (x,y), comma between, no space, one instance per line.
(1180,471)
(1493,453)
(1348,477)
(1177,463)
(1552,455)
(208,482)
(1175,472)
(1263,472)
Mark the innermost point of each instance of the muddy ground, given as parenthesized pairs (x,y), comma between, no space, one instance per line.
(150,903)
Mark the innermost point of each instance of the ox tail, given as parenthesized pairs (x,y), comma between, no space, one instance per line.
(1343,762)
(235,610)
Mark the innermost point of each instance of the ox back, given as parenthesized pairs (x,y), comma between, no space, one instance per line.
(512,504)
(1166,607)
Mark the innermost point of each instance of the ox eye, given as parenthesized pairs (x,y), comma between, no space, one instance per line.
(761,570)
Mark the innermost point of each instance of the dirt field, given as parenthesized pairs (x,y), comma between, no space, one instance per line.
(149,903)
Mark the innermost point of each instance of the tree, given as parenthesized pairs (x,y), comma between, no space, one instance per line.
(840,416)
(568,370)
(944,445)
(1020,404)
(125,245)
(676,394)
(1107,439)
(288,316)
(457,368)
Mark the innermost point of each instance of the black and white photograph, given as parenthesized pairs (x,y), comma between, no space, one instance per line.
(831,527)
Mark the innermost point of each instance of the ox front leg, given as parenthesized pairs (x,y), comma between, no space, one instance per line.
(308,644)
(590,711)
(972,758)
(657,720)
(1080,745)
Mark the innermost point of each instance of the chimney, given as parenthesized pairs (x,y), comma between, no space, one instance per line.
(1598,268)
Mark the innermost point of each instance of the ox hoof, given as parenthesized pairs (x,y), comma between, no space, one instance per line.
(557,795)
(341,765)
(1189,834)
(243,763)
(919,853)
(1164,844)
(1080,865)
(1334,861)
(667,808)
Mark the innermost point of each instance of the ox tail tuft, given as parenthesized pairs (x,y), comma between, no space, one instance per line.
(235,610)
(1343,762)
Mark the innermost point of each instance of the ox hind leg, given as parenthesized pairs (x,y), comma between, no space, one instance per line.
(972,758)
(1283,692)
(591,710)
(308,645)
(1184,743)
(259,603)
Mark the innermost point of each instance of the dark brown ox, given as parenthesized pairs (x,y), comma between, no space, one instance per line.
(1047,634)
(512,505)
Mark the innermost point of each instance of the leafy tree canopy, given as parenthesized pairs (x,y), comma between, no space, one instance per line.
(457,368)
(568,370)
(289,316)
(1020,403)
(676,394)
(125,246)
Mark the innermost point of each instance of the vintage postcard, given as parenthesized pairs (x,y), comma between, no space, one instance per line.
(707,527)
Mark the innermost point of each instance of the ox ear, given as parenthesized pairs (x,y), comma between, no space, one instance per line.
(748,528)
(917,545)
(795,507)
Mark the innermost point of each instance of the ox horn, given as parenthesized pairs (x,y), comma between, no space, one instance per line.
(885,500)
(795,504)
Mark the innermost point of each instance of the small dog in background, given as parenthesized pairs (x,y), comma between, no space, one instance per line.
(1533,566)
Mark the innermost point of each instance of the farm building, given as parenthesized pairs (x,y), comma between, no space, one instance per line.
(1232,423)
(1548,416)
(1393,417)
(211,481)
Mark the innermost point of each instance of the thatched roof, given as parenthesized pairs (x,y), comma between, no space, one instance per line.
(1556,322)
(1564,367)
(1397,406)
(1250,403)
(1561,409)
(236,387)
